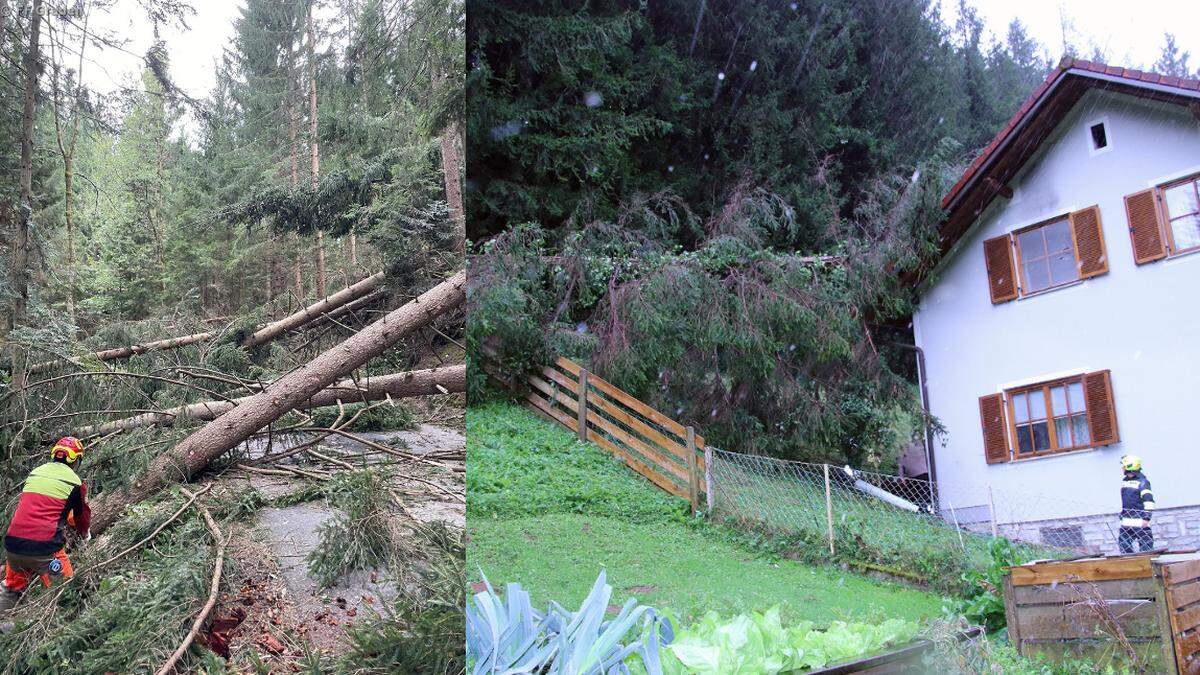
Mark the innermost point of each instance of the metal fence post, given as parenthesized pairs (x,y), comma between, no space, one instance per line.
(708,481)
(992,511)
(582,398)
(829,509)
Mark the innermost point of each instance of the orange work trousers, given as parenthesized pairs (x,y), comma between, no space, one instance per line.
(19,570)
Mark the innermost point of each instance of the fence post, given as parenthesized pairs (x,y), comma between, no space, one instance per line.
(829,509)
(708,481)
(693,482)
(582,398)
(992,511)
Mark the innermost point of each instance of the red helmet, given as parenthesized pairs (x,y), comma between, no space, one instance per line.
(68,448)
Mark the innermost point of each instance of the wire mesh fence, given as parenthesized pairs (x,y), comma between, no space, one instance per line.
(882,519)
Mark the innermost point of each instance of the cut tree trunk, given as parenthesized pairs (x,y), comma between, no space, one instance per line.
(452,379)
(227,431)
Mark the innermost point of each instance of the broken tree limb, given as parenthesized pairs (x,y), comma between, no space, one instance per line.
(398,385)
(263,333)
(219,542)
(227,431)
(313,311)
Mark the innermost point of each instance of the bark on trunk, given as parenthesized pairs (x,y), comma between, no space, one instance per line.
(452,379)
(312,102)
(227,431)
(320,263)
(452,175)
(21,253)
(313,311)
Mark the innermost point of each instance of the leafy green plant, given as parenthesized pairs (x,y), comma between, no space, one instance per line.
(508,635)
(986,605)
(759,643)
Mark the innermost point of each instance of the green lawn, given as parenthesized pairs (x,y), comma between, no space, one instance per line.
(550,512)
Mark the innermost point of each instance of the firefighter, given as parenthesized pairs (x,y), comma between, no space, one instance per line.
(1137,503)
(53,499)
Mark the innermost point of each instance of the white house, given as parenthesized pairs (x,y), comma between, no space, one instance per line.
(1062,327)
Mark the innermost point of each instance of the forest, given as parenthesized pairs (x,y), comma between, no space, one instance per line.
(724,207)
(248,305)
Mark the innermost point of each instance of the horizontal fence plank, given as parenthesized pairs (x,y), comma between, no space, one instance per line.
(561,380)
(1137,618)
(1188,651)
(634,404)
(557,395)
(1186,619)
(641,467)
(655,456)
(568,365)
(614,411)
(1100,569)
(1143,589)
(1097,651)
(539,403)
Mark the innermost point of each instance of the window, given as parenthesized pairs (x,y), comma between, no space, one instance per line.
(1052,253)
(1099,136)
(1049,417)
(1181,211)
(1047,256)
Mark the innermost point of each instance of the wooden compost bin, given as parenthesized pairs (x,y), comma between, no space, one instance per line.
(1080,609)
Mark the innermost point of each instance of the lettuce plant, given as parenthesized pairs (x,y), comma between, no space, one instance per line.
(758,643)
(507,635)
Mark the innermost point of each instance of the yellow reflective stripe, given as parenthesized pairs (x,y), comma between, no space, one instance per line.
(1148,506)
(1145,492)
(52,481)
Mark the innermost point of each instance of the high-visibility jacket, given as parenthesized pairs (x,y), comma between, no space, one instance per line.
(1137,500)
(51,492)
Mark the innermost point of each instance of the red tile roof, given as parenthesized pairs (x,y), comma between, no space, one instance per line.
(1037,116)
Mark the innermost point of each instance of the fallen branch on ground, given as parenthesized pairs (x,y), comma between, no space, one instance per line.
(215,588)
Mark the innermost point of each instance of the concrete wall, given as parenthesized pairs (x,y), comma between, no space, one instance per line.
(1142,323)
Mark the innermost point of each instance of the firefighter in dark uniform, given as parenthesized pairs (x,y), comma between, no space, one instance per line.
(1137,503)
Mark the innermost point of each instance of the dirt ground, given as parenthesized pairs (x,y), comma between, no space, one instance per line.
(274,607)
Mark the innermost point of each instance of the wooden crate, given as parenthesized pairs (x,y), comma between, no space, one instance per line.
(1091,608)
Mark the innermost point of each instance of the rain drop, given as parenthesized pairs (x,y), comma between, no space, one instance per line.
(581,328)
(671,169)
(592,99)
(795,6)
(706,156)
(753,66)
(720,76)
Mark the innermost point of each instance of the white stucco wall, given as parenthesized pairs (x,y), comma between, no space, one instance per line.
(1142,323)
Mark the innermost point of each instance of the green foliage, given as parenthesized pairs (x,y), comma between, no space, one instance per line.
(359,536)
(521,465)
(505,634)
(758,642)
(424,630)
(380,418)
(985,606)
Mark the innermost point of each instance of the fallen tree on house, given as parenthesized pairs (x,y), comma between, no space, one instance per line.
(227,431)
(322,309)
(427,382)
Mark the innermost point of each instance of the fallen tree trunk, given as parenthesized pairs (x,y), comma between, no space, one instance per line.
(263,333)
(227,431)
(399,385)
(313,311)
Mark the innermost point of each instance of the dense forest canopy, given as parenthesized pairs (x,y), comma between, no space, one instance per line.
(715,200)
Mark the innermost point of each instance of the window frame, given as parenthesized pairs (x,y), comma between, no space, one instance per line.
(1164,216)
(1045,387)
(1108,137)
(1015,238)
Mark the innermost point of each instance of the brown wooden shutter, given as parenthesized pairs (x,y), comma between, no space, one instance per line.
(995,429)
(1002,279)
(1102,414)
(1145,230)
(1089,242)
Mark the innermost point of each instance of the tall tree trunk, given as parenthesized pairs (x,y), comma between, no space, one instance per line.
(312,103)
(32,66)
(294,151)
(452,165)
(227,431)
(320,263)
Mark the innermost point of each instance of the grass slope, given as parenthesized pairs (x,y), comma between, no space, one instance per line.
(550,512)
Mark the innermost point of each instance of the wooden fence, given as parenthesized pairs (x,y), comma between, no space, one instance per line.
(1178,578)
(669,454)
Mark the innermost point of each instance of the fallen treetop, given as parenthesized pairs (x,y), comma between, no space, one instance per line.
(263,333)
(452,379)
(227,431)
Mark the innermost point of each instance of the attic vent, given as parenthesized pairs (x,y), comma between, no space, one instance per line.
(1099,136)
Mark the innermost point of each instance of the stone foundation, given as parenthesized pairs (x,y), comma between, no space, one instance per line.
(1175,528)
